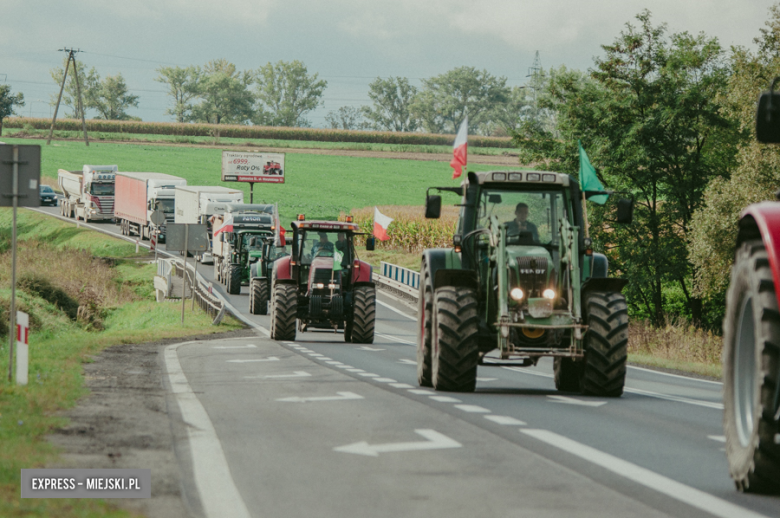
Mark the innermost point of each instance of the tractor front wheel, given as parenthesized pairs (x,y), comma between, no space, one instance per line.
(568,374)
(363,314)
(284,308)
(258,296)
(751,363)
(455,353)
(234,279)
(606,344)
(424,314)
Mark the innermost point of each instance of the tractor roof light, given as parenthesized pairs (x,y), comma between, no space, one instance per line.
(548,294)
(517,294)
(348,219)
(301,217)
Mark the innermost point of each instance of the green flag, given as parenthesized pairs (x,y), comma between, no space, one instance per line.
(588,179)
(337,257)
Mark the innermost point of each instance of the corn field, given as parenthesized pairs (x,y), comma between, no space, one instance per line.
(409,231)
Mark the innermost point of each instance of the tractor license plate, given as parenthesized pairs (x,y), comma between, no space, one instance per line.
(540,308)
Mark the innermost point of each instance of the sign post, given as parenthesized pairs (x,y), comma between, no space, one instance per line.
(22,345)
(186,237)
(158,218)
(18,188)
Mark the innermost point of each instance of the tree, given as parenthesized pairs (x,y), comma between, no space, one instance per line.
(183,85)
(392,99)
(285,92)
(111,99)
(224,93)
(649,121)
(346,117)
(8,102)
(88,81)
(445,99)
(757,176)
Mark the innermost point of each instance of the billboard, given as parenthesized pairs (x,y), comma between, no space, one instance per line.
(252,167)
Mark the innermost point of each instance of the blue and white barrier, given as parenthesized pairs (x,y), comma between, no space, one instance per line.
(401,274)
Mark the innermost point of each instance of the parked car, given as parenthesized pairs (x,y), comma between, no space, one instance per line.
(48,196)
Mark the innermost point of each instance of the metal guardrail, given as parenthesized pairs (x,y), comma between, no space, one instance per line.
(167,269)
(400,274)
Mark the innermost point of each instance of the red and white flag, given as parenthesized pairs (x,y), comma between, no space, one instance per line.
(381,222)
(460,149)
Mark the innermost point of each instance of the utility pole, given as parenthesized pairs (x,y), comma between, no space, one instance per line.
(532,71)
(79,104)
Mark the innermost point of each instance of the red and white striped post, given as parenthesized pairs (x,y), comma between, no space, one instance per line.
(22,351)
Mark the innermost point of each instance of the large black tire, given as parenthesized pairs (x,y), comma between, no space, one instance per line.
(234,279)
(258,296)
(751,361)
(568,374)
(455,353)
(284,308)
(424,318)
(363,314)
(606,344)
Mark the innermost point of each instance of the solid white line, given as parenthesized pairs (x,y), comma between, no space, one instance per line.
(673,375)
(645,477)
(396,339)
(218,493)
(391,308)
(678,399)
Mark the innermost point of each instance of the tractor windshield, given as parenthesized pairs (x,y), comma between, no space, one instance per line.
(325,244)
(531,217)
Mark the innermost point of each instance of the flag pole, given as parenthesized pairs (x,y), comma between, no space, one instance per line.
(585,215)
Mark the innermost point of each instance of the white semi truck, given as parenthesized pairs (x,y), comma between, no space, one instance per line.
(138,195)
(88,194)
(198,203)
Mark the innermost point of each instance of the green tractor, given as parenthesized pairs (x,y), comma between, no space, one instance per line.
(261,264)
(522,279)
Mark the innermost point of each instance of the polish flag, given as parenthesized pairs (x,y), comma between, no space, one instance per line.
(381,222)
(282,239)
(460,149)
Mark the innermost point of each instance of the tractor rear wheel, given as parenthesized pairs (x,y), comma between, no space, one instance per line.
(455,353)
(258,296)
(284,309)
(606,344)
(568,374)
(234,279)
(751,362)
(424,314)
(363,314)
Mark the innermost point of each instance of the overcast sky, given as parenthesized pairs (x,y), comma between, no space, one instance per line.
(347,42)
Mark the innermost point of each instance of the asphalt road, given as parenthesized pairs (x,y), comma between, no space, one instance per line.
(317,427)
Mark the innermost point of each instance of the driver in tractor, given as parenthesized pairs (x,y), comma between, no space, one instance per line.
(322,246)
(520,226)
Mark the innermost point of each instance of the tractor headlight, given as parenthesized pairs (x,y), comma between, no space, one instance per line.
(319,285)
(548,294)
(517,294)
(333,286)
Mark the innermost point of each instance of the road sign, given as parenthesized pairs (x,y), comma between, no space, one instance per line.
(22,347)
(252,167)
(157,217)
(197,240)
(29,163)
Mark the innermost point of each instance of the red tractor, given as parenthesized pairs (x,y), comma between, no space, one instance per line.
(272,168)
(751,335)
(323,284)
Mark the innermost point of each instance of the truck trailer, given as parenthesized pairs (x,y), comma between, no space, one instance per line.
(138,195)
(197,203)
(88,194)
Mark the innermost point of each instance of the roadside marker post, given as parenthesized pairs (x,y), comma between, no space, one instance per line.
(22,347)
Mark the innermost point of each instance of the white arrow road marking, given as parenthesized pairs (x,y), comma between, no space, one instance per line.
(717,438)
(247,346)
(295,374)
(572,401)
(341,397)
(269,359)
(409,362)
(366,348)
(685,494)
(435,441)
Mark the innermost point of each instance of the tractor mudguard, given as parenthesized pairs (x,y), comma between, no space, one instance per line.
(282,269)
(363,283)
(598,266)
(362,272)
(603,284)
(441,258)
(763,219)
(455,278)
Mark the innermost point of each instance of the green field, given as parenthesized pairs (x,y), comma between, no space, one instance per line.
(321,186)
